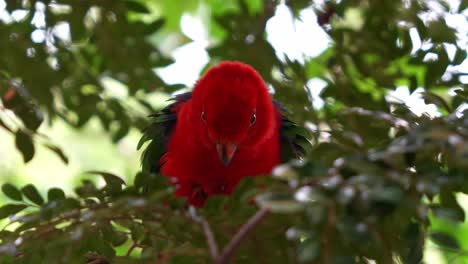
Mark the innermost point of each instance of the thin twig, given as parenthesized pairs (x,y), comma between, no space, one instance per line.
(229,249)
(210,239)
(131,248)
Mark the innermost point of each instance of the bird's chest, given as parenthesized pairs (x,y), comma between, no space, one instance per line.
(201,166)
(244,163)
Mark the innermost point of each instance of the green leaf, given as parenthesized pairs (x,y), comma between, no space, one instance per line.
(12,5)
(463,5)
(59,153)
(101,247)
(12,192)
(55,194)
(460,56)
(441,32)
(32,194)
(435,69)
(109,177)
(11,209)
(254,6)
(113,183)
(154,26)
(308,250)
(25,145)
(137,7)
(278,203)
(137,231)
(445,240)
(449,208)
(119,238)
(142,141)
(70,204)
(87,189)
(431,98)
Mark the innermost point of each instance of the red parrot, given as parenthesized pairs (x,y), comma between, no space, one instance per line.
(228,128)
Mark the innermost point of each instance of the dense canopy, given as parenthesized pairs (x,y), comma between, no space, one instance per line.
(384,102)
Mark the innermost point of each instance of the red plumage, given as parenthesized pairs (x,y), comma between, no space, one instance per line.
(227,130)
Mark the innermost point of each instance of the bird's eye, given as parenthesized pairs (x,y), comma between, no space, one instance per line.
(203,116)
(253,119)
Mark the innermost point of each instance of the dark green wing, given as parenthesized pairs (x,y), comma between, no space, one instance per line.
(294,138)
(158,133)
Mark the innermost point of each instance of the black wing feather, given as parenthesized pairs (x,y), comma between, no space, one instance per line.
(294,138)
(158,133)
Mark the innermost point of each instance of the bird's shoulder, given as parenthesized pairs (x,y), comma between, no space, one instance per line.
(159,131)
(294,138)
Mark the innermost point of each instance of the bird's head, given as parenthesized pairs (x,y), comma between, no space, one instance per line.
(233,107)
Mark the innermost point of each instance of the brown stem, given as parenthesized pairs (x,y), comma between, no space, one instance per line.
(231,247)
(132,247)
(327,233)
(210,239)
(387,248)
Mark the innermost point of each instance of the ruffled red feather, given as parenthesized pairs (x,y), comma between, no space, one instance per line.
(228,94)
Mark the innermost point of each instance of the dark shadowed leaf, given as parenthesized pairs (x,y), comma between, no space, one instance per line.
(460,56)
(59,153)
(445,240)
(12,192)
(373,187)
(441,32)
(431,98)
(25,145)
(154,26)
(55,194)
(137,231)
(119,238)
(449,208)
(109,177)
(136,6)
(11,209)
(113,183)
(32,194)
(463,5)
(308,250)
(87,189)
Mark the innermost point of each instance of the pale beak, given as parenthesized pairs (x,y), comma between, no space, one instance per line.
(226,152)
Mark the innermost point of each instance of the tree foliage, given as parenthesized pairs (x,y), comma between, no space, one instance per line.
(376,179)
